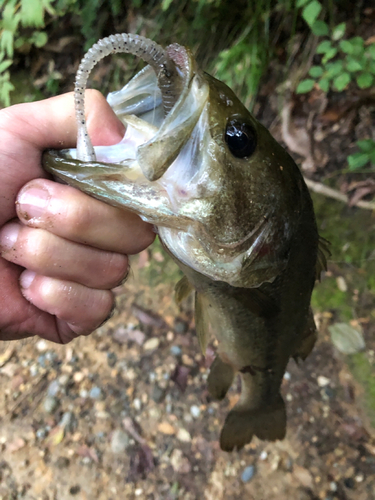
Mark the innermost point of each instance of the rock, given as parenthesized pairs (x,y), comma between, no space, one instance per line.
(248,473)
(180,463)
(263,455)
(62,462)
(119,441)
(303,476)
(50,404)
(95,393)
(175,350)
(195,411)
(166,428)
(151,344)
(74,490)
(157,393)
(53,388)
(323,381)
(111,359)
(346,339)
(41,345)
(183,435)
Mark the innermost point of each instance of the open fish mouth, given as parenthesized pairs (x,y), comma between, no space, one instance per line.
(165,167)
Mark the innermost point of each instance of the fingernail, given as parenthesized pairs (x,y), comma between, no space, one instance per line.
(33,202)
(8,237)
(26,278)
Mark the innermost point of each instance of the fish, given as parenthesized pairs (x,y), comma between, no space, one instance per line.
(230,207)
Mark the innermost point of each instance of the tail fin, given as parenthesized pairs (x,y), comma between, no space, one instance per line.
(267,423)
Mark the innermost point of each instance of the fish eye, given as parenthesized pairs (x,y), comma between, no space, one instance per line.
(241,138)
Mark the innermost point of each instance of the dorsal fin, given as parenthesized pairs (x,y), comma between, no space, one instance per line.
(182,289)
(323,254)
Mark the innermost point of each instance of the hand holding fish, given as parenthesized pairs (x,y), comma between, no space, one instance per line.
(61,250)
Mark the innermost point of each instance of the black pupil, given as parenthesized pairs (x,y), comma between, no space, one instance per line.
(240,138)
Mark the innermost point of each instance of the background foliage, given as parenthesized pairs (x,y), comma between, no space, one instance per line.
(236,41)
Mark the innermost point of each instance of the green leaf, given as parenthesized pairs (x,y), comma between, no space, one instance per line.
(324,47)
(358,45)
(305,86)
(6,88)
(346,46)
(301,3)
(371,50)
(6,42)
(5,65)
(334,68)
(341,81)
(165,4)
(330,54)
(372,157)
(324,84)
(320,28)
(315,71)
(339,31)
(39,38)
(357,160)
(365,80)
(353,65)
(366,145)
(32,13)
(311,12)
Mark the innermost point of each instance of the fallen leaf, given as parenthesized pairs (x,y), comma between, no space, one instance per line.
(346,339)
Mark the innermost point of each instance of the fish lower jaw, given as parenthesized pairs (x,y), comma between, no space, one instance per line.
(217,266)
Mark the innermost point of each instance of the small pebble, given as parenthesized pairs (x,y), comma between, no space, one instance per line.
(286,376)
(263,455)
(62,462)
(75,489)
(183,435)
(119,441)
(50,404)
(34,370)
(137,404)
(41,433)
(248,473)
(95,393)
(151,344)
(41,345)
(42,360)
(111,359)
(195,411)
(157,394)
(53,388)
(176,350)
(83,393)
(67,420)
(333,486)
(349,482)
(323,381)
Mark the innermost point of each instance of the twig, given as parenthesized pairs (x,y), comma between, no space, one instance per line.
(320,188)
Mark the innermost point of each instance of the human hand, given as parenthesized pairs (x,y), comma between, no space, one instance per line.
(61,250)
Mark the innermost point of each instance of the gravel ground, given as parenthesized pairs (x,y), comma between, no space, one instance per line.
(125,413)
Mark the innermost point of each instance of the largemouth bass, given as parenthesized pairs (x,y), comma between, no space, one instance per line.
(231,208)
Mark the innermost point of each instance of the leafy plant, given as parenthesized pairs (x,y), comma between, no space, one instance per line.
(364,156)
(19,14)
(342,61)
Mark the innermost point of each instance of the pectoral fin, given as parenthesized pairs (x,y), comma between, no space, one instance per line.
(220,378)
(182,289)
(308,339)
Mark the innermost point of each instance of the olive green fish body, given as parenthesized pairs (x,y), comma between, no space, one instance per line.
(231,208)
